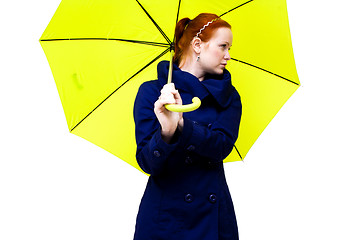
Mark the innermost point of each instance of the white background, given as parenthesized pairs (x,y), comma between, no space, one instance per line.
(299,181)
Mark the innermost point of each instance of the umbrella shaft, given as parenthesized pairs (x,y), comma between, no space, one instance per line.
(170,67)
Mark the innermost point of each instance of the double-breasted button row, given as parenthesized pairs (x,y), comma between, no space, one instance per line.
(156,153)
(190,148)
(189,198)
(188,160)
(209,125)
(211,165)
(212,198)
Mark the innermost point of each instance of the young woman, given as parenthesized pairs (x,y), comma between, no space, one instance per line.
(187,196)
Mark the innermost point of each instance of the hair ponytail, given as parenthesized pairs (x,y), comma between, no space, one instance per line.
(179,31)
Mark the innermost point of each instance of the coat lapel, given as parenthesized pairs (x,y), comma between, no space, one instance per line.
(219,86)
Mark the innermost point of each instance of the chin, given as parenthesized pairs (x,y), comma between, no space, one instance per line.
(220,71)
(216,71)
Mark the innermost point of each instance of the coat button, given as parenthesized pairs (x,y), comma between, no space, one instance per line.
(189,198)
(156,153)
(191,148)
(212,198)
(188,160)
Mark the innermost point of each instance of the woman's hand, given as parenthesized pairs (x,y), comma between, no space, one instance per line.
(169,121)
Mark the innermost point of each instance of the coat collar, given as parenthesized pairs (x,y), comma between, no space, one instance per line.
(219,86)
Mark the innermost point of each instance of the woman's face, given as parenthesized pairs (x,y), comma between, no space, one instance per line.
(215,53)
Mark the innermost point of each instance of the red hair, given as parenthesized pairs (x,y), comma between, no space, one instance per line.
(187,29)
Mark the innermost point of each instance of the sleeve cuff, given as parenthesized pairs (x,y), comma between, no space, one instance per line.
(161,146)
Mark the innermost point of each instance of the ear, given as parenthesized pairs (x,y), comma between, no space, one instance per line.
(196,45)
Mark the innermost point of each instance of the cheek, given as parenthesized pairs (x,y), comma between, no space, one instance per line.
(218,54)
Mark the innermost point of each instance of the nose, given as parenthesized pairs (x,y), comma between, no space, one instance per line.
(227,55)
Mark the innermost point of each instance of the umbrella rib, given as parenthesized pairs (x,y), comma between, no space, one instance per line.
(235,8)
(152,61)
(156,25)
(177,16)
(113,39)
(251,65)
(238,152)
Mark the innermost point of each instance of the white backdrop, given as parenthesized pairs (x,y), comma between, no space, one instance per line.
(299,181)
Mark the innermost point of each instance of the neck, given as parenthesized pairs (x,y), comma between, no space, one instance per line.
(192,67)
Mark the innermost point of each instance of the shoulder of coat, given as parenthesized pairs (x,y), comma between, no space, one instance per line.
(150,85)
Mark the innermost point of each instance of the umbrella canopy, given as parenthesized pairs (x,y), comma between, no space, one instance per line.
(100,51)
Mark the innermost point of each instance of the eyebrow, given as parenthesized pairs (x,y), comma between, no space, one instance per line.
(227,43)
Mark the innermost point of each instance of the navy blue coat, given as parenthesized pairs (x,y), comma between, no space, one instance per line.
(187,197)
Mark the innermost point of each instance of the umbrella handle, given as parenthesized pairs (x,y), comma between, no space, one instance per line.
(184,108)
(175,107)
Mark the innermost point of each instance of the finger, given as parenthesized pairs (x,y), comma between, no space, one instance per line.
(177,97)
(167,101)
(159,107)
(163,99)
(168,87)
(166,94)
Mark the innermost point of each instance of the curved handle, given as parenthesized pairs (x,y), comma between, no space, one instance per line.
(184,108)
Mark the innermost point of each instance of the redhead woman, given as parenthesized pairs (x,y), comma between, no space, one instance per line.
(187,197)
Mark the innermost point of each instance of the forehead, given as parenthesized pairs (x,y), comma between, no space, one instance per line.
(222,34)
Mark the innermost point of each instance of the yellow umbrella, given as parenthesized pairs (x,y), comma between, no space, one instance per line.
(100,51)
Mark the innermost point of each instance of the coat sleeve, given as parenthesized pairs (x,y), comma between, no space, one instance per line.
(217,141)
(152,152)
